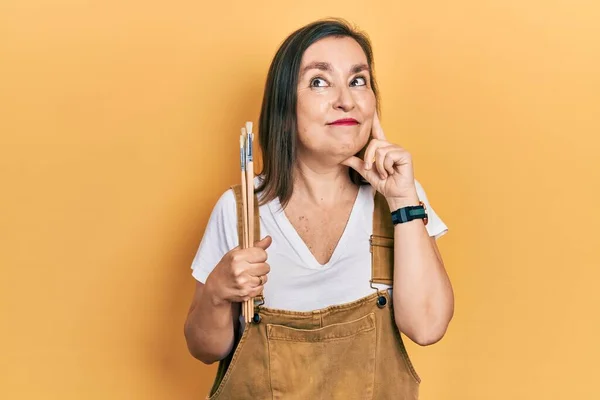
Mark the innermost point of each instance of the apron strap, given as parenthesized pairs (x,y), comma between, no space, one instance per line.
(382,242)
(237,191)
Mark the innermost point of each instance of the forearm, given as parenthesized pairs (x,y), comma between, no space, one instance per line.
(422,295)
(209,329)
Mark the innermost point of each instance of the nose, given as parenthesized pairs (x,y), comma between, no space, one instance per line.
(344,100)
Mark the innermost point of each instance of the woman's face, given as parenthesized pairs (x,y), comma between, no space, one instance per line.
(334,84)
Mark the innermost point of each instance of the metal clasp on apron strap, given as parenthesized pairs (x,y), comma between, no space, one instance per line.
(381,299)
(258,301)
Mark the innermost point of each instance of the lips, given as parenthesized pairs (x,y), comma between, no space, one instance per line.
(345,121)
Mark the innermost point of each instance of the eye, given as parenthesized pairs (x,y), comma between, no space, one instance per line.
(318,82)
(359,80)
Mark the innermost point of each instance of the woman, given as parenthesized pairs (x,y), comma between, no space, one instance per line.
(327,328)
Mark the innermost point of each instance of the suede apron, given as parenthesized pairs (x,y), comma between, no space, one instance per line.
(347,351)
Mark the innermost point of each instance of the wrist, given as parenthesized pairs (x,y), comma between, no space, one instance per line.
(398,202)
(214,299)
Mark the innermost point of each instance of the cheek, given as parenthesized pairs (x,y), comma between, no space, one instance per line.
(366,103)
(312,108)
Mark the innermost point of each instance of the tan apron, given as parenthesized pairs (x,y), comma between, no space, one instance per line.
(347,351)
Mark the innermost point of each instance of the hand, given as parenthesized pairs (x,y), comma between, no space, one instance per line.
(240,275)
(387,167)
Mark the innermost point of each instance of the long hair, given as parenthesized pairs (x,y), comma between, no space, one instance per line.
(277,125)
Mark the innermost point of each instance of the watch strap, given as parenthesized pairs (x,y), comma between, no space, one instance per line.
(409,213)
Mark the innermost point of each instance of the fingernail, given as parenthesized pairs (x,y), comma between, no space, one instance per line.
(366,165)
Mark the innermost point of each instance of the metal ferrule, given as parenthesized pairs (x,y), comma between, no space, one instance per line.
(249,141)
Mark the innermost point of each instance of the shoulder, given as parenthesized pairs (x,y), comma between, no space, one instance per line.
(226,203)
(421,193)
(226,208)
(420,189)
(224,213)
(436,226)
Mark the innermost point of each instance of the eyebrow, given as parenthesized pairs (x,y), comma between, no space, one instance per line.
(325,66)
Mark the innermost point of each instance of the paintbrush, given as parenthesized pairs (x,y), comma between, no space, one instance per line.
(250,198)
(244,244)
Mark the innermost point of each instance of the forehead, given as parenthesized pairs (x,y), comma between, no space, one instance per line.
(340,52)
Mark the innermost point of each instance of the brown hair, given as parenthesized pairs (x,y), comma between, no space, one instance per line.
(277,122)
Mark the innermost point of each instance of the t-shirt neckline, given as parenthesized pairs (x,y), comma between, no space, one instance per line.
(296,242)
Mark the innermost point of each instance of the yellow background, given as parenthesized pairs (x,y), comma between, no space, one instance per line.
(119,127)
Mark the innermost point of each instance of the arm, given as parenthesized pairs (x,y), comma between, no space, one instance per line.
(423,297)
(214,314)
(210,326)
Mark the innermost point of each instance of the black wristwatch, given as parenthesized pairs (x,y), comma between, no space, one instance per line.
(409,213)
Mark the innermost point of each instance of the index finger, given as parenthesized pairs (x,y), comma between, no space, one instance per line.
(376,129)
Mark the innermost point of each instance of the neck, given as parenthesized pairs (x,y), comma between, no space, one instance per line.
(322,187)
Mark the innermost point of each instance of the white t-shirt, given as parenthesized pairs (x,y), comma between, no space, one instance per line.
(297,281)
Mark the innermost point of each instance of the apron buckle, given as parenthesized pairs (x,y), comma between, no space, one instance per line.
(258,301)
(381,300)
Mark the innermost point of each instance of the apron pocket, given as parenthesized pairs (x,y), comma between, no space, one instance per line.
(333,362)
